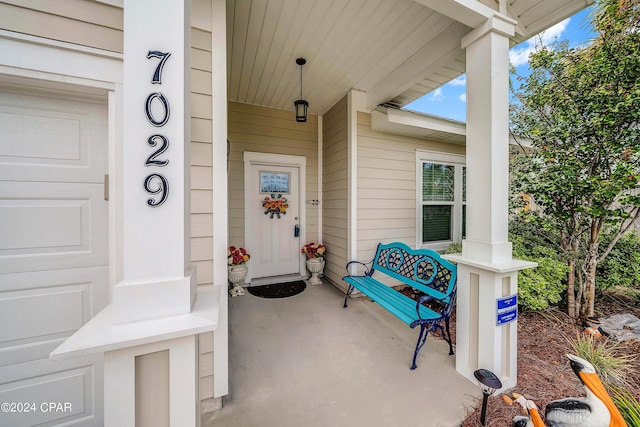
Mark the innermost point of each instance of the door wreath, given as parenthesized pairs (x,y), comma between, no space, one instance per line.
(275,206)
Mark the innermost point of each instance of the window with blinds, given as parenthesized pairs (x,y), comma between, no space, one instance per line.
(438,189)
(442,201)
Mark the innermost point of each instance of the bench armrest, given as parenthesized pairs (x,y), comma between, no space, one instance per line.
(367,267)
(443,313)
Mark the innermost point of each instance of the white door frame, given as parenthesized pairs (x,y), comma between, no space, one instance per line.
(269,159)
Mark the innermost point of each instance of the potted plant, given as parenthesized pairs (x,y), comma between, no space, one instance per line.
(315,260)
(237,259)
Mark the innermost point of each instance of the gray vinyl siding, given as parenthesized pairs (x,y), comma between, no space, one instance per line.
(267,130)
(334,192)
(387,185)
(82,22)
(202,175)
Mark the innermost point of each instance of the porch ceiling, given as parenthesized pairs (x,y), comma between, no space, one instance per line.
(394,50)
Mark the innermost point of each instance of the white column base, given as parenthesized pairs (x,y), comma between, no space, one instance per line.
(134,301)
(120,383)
(123,342)
(487,252)
(481,342)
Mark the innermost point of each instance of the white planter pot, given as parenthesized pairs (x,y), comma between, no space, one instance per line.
(237,275)
(315,267)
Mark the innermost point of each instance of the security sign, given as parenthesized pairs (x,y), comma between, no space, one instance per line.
(506,309)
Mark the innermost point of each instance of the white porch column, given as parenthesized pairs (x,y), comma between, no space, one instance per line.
(156,229)
(148,333)
(486,334)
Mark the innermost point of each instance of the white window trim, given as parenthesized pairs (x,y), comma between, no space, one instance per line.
(457,160)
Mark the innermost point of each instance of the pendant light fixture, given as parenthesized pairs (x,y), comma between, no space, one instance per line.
(301,105)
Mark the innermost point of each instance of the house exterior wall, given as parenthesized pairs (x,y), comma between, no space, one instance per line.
(387,186)
(81,22)
(334,191)
(98,25)
(202,175)
(267,130)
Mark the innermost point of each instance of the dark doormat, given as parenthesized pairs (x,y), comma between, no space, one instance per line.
(278,290)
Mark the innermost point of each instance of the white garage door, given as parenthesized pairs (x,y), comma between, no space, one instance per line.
(53,253)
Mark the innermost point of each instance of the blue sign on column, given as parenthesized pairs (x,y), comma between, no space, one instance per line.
(507,309)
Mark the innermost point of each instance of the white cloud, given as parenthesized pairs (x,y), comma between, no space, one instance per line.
(554,32)
(520,55)
(437,95)
(460,81)
(463,97)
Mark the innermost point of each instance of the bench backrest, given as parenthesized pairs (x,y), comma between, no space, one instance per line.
(422,269)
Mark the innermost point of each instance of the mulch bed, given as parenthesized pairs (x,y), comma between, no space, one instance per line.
(544,373)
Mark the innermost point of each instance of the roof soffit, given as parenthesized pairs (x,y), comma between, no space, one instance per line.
(394,50)
(469,12)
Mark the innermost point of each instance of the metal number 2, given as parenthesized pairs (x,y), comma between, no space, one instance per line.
(163,56)
(162,188)
(153,141)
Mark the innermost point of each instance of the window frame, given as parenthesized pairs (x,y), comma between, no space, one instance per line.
(458,161)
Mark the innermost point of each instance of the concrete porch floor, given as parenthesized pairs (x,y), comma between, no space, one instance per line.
(306,361)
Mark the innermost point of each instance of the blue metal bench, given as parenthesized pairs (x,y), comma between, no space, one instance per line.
(425,271)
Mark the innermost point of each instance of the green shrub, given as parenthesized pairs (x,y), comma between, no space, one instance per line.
(539,287)
(454,248)
(622,266)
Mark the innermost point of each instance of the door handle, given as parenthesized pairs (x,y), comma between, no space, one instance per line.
(296,231)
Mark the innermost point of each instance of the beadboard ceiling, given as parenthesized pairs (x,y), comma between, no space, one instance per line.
(394,50)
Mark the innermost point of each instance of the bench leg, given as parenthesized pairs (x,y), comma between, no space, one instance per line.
(448,337)
(346,297)
(422,338)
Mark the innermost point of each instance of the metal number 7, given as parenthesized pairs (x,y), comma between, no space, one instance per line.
(163,56)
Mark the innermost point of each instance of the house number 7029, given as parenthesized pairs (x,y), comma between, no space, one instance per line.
(156,184)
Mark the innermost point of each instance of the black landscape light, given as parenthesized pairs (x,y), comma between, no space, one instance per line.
(490,383)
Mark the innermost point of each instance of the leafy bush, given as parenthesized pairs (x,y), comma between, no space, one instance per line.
(542,286)
(622,266)
(454,248)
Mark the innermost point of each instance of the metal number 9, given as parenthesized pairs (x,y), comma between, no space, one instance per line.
(161,187)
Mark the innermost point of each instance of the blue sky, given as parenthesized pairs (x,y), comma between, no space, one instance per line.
(450,100)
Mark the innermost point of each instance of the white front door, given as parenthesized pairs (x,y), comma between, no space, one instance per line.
(53,252)
(273,219)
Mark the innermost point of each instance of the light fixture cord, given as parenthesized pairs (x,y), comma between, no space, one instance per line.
(300,81)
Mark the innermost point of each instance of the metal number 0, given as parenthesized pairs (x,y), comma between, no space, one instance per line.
(165,105)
